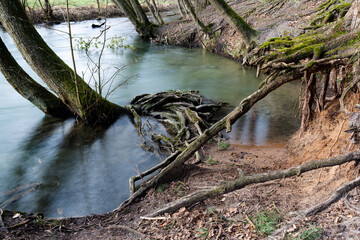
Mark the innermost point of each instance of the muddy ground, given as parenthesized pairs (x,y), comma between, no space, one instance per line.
(235,215)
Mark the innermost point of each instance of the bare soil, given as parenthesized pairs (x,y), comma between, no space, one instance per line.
(232,216)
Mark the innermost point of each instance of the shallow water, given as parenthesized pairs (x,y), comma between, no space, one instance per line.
(85,171)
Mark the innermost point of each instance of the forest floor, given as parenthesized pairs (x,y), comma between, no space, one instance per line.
(252,212)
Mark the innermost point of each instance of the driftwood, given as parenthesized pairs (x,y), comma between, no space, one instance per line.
(182,113)
(336,196)
(243,181)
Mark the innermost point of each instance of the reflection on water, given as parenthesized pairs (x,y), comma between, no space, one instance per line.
(85,170)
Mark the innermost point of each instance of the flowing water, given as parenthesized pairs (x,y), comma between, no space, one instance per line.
(84,170)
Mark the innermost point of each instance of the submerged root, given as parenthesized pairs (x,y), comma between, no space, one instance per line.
(184,115)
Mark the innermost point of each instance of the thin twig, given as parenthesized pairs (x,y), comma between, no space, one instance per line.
(19,224)
(249,221)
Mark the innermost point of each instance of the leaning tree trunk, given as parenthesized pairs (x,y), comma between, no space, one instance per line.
(152,11)
(73,91)
(133,10)
(245,31)
(196,19)
(28,87)
(181,10)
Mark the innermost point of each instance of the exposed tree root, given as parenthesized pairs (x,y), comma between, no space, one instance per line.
(336,196)
(182,113)
(243,181)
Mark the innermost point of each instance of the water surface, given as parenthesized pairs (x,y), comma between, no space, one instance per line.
(85,170)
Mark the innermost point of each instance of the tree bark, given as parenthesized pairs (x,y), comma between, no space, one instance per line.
(195,18)
(48,9)
(28,87)
(352,18)
(133,10)
(245,31)
(152,11)
(157,12)
(139,12)
(180,7)
(53,71)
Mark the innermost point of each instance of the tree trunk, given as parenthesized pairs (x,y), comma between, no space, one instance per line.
(181,10)
(28,87)
(352,18)
(132,9)
(99,7)
(245,31)
(48,9)
(157,12)
(139,12)
(152,11)
(52,70)
(192,12)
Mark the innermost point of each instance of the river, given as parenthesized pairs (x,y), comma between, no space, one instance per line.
(85,170)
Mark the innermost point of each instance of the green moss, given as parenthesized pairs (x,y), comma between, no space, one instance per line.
(310,64)
(330,11)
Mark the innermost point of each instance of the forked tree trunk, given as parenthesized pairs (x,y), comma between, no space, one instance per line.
(48,10)
(28,87)
(157,12)
(152,11)
(52,70)
(245,31)
(133,10)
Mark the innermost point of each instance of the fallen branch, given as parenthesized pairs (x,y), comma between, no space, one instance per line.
(19,224)
(336,196)
(163,164)
(244,106)
(125,228)
(243,181)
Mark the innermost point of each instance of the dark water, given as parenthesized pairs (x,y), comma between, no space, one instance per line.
(84,170)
